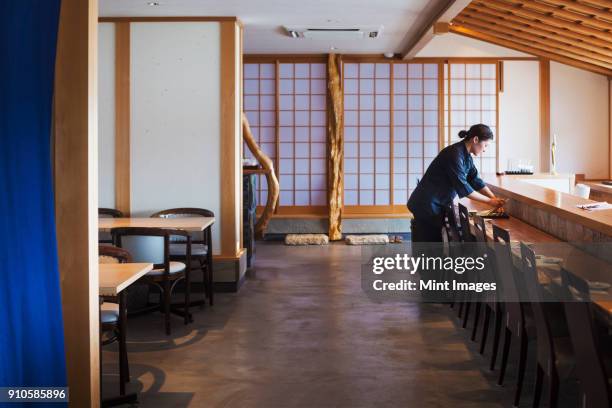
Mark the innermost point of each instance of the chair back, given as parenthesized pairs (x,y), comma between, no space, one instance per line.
(113,254)
(586,343)
(198,237)
(505,272)
(450,224)
(109,213)
(575,287)
(150,245)
(480,229)
(546,351)
(103,236)
(464,221)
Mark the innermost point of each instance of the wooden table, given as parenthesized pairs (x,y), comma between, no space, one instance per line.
(190,224)
(113,280)
(575,261)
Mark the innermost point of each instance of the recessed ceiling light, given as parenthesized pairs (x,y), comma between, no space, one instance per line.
(153,3)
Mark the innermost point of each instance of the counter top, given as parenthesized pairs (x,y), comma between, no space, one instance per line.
(561,204)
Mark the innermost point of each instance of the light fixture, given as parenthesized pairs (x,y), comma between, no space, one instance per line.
(153,3)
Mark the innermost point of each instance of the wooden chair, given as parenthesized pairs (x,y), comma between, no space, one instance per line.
(516,326)
(551,351)
(113,314)
(109,213)
(490,303)
(201,249)
(469,241)
(105,237)
(590,357)
(451,235)
(153,245)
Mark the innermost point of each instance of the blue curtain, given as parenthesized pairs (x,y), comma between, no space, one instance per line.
(31,328)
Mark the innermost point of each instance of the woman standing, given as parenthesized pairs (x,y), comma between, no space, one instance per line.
(450,174)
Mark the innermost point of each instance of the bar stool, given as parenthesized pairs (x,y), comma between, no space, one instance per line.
(554,353)
(591,359)
(516,325)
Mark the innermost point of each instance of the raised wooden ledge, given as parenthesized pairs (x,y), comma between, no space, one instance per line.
(552,201)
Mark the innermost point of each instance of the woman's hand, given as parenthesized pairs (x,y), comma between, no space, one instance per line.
(496,202)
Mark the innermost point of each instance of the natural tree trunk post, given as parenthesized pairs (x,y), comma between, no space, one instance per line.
(268,166)
(335,147)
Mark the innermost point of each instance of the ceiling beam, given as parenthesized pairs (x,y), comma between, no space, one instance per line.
(520,11)
(567,14)
(444,14)
(531,34)
(540,25)
(583,8)
(500,32)
(601,3)
(530,50)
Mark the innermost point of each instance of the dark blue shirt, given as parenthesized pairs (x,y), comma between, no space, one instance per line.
(452,172)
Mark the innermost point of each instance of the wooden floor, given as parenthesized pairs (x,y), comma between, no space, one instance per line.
(301,333)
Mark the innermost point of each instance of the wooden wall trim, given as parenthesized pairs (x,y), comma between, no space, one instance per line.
(75,131)
(544,115)
(122,118)
(229,148)
(169,19)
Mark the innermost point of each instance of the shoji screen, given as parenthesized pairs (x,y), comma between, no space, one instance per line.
(415,125)
(391,129)
(302,134)
(367,134)
(260,109)
(471,94)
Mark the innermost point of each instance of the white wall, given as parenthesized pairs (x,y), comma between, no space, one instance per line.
(454,45)
(519,113)
(175,112)
(579,116)
(106,115)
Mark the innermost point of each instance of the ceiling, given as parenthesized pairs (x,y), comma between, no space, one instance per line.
(263,20)
(574,32)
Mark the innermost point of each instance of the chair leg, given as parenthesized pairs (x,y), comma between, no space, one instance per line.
(167,305)
(537,393)
(553,390)
(496,335)
(506,351)
(466,314)
(485,329)
(477,308)
(187,318)
(521,368)
(124,368)
(204,281)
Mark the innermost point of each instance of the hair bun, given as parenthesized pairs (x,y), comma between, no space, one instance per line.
(463,134)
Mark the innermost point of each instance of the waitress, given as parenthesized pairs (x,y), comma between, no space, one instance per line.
(450,174)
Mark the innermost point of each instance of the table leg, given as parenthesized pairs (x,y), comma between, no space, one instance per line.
(209,266)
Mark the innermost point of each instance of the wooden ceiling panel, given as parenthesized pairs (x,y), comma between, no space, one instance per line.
(573,32)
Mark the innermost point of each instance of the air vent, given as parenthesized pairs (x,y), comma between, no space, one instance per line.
(334,33)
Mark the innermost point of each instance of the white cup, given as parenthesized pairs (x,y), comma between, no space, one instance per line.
(582,190)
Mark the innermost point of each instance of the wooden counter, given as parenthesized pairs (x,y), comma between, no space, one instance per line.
(575,260)
(599,191)
(552,211)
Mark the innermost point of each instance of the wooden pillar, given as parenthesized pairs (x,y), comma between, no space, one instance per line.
(335,147)
(231,140)
(76,194)
(544,115)
(122,117)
